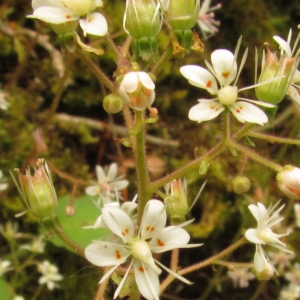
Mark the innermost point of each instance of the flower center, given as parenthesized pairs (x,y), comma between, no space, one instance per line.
(80,7)
(140,250)
(227,95)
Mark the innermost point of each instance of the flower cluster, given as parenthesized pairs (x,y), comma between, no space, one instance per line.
(225,71)
(153,237)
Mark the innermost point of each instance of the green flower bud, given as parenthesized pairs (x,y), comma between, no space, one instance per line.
(176,201)
(284,69)
(37,191)
(240,184)
(142,18)
(113,103)
(182,14)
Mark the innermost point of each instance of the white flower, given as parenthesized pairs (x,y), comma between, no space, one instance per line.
(62,11)
(290,292)
(240,277)
(137,89)
(108,183)
(153,236)
(266,218)
(281,260)
(263,234)
(50,275)
(3,103)
(5,266)
(224,70)
(294,275)
(3,183)
(288,53)
(206,17)
(18,297)
(37,245)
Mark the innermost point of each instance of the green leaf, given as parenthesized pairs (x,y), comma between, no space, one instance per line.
(85,214)
(4,290)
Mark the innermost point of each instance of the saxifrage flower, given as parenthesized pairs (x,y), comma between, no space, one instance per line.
(225,71)
(153,237)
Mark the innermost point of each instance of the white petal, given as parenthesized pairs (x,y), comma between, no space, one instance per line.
(92,190)
(154,219)
(205,110)
(54,15)
(294,94)
(224,65)
(200,77)
(95,24)
(119,185)
(130,82)
(171,237)
(118,222)
(247,112)
(128,207)
(283,45)
(258,211)
(146,280)
(261,103)
(251,235)
(101,176)
(102,253)
(50,3)
(112,172)
(146,80)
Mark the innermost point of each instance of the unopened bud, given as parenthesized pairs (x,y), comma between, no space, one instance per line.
(176,201)
(263,270)
(240,184)
(137,89)
(113,103)
(288,180)
(37,191)
(273,92)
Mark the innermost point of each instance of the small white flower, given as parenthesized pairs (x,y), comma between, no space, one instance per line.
(288,180)
(293,276)
(37,245)
(240,277)
(223,70)
(50,275)
(288,52)
(206,16)
(3,103)
(62,11)
(290,292)
(108,183)
(281,260)
(263,235)
(5,266)
(153,236)
(137,89)
(18,297)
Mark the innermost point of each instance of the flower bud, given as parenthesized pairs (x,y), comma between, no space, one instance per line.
(263,269)
(137,89)
(176,201)
(182,14)
(37,191)
(240,184)
(143,20)
(284,69)
(288,180)
(113,103)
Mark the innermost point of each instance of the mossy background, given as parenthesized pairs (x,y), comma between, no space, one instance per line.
(31,71)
